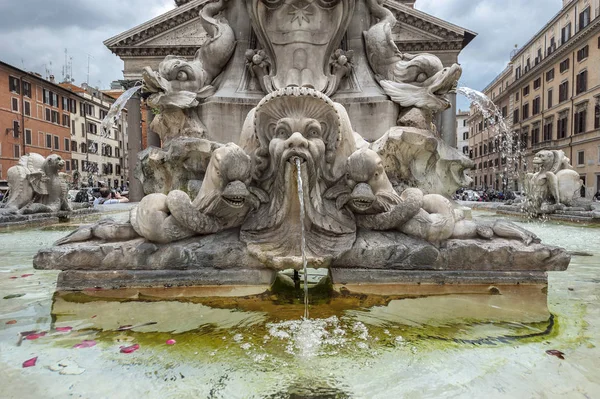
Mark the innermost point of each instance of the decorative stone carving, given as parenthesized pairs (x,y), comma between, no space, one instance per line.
(410,80)
(179,165)
(222,203)
(179,85)
(416,158)
(367,191)
(299,37)
(380,203)
(288,124)
(35,186)
(554,184)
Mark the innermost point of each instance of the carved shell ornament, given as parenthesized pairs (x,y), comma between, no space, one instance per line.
(296,103)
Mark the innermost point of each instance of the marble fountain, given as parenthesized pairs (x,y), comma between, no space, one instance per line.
(374,212)
(192,293)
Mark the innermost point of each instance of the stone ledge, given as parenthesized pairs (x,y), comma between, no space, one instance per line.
(74,280)
(375,257)
(370,276)
(218,251)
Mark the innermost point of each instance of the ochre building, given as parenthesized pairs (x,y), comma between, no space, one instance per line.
(549,98)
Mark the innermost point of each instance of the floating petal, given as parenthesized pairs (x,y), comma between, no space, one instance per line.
(171,342)
(11,322)
(33,336)
(85,344)
(30,363)
(129,349)
(64,329)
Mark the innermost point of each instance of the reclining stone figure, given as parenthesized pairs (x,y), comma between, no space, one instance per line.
(367,192)
(222,203)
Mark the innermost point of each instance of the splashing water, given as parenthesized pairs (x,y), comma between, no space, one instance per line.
(303,242)
(114,113)
(116,109)
(505,140)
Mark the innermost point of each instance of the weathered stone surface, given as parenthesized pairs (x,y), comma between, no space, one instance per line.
(388,250)
(502,255)
(416,158)
(386,277)
(183,160)
(35,186)
(219,251)
(78,279)
(394,250)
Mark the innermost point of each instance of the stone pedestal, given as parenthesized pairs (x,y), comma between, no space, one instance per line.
(375,258)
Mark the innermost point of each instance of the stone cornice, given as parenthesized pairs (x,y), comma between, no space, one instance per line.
(429,23)
(130,43)
(169,20)
(434,45)
(150,51)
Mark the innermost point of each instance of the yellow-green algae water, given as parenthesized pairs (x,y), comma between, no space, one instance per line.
(352,347)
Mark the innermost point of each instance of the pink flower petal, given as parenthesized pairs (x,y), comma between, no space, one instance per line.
(11,322)
(13,277)
(94,316)
(33,336)
(30,362)
(171,342)
(85,344)
(64,329)
(27,275)
(129,349)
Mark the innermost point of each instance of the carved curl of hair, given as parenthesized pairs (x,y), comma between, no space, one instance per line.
(294,102)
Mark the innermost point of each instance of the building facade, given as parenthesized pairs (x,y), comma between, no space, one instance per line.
(462,131)
(98,157)
(41,116)
(35,117)
(547,98)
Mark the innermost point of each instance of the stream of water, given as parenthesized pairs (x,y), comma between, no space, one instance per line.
(303,239)
(504,140)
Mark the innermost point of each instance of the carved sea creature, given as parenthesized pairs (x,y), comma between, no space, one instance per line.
(289,124)
(222,203)
(553,185)
(411,80)
(225,197)
(367,192)
(35,185)
(179,84)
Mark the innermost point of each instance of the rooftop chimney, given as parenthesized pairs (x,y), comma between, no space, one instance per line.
(52,78)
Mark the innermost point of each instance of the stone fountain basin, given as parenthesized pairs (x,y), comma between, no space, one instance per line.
(376,258)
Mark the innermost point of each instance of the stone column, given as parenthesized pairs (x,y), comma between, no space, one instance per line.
(153,137)
(134,133)
(448,122)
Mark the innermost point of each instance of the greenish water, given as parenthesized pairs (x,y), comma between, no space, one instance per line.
(431,347)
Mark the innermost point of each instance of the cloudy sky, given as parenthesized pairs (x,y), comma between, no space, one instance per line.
(35,33)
